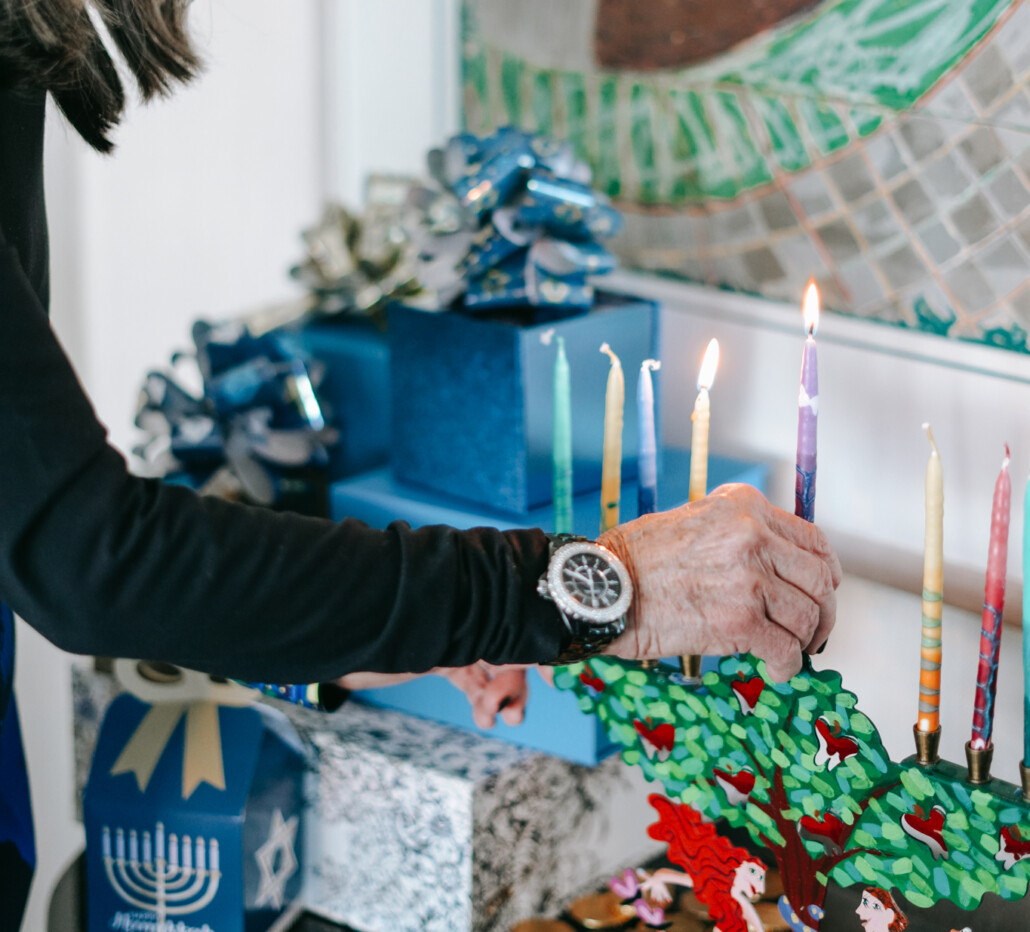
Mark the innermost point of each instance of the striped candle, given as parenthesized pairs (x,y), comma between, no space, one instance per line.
(933,593)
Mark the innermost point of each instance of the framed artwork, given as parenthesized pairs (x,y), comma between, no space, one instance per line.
(882,147)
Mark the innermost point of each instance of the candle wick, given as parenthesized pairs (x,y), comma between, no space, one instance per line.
(605,348)
(547,336)
(652,364)
(929,434)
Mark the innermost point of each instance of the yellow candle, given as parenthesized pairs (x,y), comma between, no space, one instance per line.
(701,418)
(933,593)
(611,464)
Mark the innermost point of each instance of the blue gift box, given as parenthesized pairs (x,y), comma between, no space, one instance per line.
(473,398)
(355,388)
(167,853)
(553,721)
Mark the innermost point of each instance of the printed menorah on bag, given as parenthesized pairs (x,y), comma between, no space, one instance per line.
(183,882)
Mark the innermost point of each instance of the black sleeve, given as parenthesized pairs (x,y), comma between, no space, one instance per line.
(103,562)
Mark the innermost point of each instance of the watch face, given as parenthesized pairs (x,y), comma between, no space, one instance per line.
(589,582)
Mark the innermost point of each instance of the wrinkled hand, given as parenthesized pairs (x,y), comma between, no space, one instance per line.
(729,573)
(492,691)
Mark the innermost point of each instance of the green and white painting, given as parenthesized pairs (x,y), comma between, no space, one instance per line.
(881,146)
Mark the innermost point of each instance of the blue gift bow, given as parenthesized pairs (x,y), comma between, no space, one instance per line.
(259,412)
(518,190)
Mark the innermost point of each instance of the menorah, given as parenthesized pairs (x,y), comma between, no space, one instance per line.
(184,882)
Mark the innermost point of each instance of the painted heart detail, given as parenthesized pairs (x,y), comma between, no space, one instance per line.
(748,692)
(657,741)
(834,748)
(1012,847)
(827,831)
(736,786)
(587,678)
(928,830)
(625,885)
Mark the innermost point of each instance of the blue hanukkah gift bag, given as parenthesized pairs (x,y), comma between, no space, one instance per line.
(193,808)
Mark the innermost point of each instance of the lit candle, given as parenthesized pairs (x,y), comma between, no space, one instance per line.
(1026,625)
(994,602)
(700,417)
(933,593)
(611,463)
(561,437)
(647,448)
(808,410)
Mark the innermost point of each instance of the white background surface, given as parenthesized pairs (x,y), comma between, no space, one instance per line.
(198,213)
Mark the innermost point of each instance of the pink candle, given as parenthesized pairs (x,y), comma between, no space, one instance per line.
(994,602)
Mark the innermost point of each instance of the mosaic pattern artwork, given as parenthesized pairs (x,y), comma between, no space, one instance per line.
(881,147)
(803,771)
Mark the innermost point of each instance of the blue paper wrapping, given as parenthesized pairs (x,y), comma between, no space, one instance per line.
(472,399)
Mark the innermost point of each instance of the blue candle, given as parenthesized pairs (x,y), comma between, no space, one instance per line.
(647,453)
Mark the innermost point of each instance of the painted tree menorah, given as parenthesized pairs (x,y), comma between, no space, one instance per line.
(184,882)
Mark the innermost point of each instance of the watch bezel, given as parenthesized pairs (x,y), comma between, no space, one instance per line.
(571,606)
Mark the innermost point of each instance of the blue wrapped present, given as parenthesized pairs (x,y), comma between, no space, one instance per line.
(355,388)
(472,398)
(553,721)
(193,808)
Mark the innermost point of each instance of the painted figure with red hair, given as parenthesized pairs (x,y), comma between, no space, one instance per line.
(878,912)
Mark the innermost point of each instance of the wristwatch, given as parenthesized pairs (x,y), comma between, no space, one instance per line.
(592,590)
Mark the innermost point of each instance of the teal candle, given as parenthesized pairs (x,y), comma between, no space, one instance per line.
(562,442)
(1026,626)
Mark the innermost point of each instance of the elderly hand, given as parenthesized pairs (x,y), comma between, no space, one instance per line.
(729,573)
(492,691)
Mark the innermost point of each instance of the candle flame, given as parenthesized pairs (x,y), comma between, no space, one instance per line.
(709,364)
(810,307)
(933,443)
(605,348)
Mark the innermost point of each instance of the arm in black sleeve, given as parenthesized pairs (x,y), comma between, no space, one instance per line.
(104,562)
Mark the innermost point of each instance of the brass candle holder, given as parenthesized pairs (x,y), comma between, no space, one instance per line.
(690,666)
(978,761)
(927,746)
(649,664)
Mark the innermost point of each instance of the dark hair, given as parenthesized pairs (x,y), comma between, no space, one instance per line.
(53,45)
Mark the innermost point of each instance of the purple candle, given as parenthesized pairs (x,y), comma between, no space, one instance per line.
(808,411)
